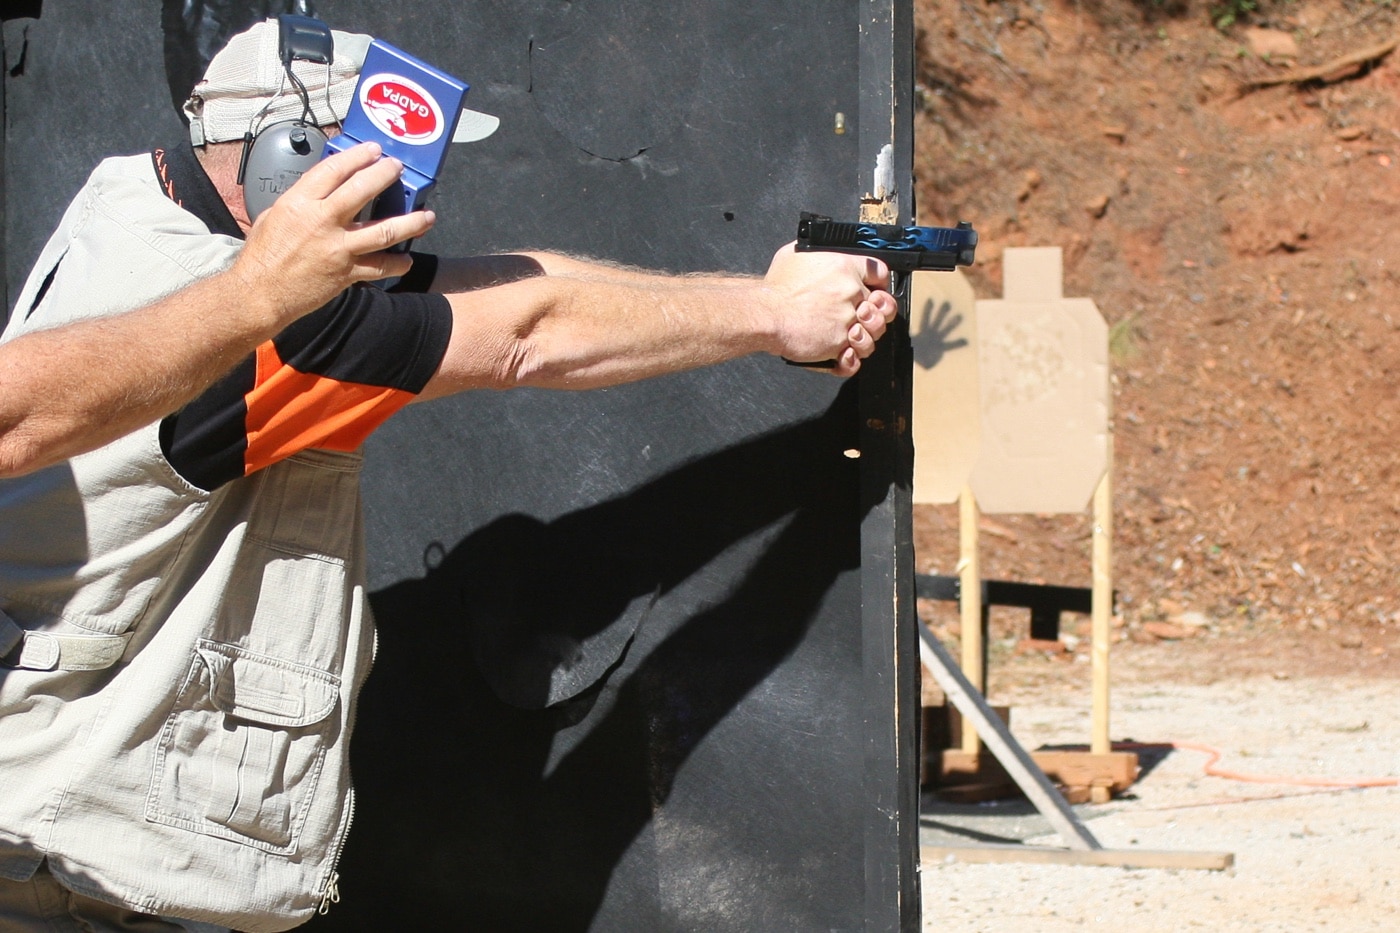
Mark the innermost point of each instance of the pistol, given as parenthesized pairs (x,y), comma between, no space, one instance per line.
(903,249)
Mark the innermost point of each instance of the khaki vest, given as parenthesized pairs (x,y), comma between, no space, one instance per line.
(180,666)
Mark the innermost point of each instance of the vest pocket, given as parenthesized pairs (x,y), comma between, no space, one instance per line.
(242,753)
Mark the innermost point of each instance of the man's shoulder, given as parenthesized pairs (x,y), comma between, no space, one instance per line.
(132,221)
(137,165)
(125,176)
(128,189)
(122,244)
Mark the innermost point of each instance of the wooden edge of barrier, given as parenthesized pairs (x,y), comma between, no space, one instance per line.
(930,856)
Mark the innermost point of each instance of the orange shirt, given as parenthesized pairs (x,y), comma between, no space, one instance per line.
(327,380)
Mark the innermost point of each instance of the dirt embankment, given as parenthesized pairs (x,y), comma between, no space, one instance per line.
(1239,240)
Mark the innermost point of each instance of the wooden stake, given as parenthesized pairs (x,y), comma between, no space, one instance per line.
(1102,607)
(970,607)
(1002,744)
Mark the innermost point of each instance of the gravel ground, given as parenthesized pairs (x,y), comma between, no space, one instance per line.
(1306,857)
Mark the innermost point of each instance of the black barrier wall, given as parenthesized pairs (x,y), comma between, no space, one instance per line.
(646,655)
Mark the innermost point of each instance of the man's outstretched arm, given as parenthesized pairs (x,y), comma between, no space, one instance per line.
(542,320)
(76,387)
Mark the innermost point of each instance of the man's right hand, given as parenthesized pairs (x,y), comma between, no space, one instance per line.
(832,306)
(308,247)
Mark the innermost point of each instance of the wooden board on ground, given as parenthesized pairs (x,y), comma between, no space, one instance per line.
(1044,855)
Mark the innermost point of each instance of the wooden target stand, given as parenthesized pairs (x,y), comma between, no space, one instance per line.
(963,772)
(1015,419)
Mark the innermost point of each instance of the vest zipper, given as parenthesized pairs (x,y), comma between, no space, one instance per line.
(331,894)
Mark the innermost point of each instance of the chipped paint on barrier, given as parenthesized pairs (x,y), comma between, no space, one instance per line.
(882,207)
(884,173)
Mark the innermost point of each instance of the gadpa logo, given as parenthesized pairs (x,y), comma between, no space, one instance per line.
(402,108)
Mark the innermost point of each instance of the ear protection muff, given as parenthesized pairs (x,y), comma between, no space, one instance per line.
(275,156)
(275,159)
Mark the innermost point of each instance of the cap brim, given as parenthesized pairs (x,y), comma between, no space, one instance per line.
(474,125)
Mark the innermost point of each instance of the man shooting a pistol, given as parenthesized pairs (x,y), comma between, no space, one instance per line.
(183,622)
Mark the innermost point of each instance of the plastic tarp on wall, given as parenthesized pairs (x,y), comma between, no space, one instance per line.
(646,655)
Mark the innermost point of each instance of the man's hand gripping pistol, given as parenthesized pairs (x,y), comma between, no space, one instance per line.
(904,249)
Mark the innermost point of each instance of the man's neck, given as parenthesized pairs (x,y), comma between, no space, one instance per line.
(220,163)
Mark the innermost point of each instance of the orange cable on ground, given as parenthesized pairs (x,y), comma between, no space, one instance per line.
(1214,755)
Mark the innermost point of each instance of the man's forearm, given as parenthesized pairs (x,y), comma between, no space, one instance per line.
(76,387)
(574,324)
(578,332)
